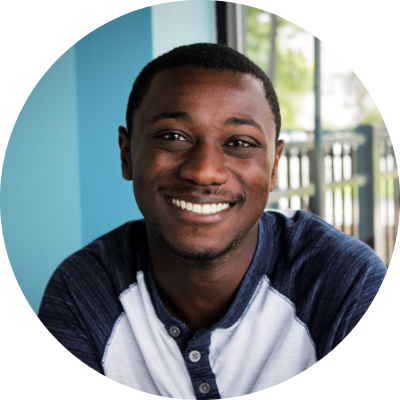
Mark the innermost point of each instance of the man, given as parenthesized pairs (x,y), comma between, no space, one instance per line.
(208,296)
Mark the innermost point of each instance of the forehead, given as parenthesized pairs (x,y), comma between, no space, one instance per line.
(193,76)
(207,93)
(193,79)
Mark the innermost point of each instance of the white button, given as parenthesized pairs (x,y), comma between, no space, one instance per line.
(174,331)
(195,356)
(204,388)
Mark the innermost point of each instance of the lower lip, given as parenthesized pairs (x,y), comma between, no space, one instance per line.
(191,216)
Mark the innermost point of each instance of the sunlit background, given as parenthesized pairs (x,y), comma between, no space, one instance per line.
(360,178)
(286,53)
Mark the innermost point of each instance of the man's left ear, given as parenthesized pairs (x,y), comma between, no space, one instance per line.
(125,149)
(278,154)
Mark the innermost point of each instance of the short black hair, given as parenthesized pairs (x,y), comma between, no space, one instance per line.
(201,55)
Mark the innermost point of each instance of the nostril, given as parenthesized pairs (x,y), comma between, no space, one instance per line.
(204,176)
(204,167)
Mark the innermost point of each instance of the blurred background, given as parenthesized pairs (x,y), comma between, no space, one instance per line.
(61,183)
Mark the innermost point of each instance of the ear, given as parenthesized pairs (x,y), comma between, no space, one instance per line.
(278,154)
(125,148)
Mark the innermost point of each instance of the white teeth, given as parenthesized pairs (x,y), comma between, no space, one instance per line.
(200,208)
(197,208)
(205,209)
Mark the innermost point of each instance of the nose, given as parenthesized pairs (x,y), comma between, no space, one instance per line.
(204,165)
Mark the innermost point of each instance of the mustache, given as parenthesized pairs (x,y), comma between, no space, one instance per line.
(238,198)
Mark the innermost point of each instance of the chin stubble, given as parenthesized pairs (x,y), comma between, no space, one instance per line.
(189,255)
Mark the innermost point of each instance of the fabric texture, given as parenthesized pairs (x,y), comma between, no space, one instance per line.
(307,287)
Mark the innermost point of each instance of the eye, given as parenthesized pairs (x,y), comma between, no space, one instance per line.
(239,143)
(174,136)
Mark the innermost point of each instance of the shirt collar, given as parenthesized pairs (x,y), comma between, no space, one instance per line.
(244,295)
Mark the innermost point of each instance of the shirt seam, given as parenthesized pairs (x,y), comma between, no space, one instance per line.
(125,292)
(296,317)
(128,289)
(111,337)
(245,310)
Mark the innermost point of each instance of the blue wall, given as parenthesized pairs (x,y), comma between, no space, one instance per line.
(61,184)
(107,62)
(40,201)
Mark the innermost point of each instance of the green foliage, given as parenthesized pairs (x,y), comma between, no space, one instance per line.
(258,45)
(369,113)
(293,76)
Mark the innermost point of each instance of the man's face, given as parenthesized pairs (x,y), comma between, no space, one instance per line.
(205,138)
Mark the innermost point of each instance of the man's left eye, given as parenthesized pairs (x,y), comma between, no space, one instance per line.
(174,136)
(239,143)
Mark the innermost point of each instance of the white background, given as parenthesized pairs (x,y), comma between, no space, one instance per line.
(35,33)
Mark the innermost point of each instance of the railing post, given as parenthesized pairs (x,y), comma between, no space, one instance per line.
(317,202)
(369,195)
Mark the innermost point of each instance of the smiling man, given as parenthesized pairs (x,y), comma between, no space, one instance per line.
(208,296)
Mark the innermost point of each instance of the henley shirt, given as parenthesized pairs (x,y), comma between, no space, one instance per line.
(306,288)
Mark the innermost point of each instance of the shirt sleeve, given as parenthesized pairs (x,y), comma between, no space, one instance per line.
(361,297)
(332,278)
(349,300)
(79,309)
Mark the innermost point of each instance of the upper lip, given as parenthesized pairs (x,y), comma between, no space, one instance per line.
(199,200)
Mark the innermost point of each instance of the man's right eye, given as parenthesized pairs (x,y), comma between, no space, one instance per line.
(174,136)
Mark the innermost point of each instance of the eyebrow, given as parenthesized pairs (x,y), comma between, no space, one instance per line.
(183,116)
(243,121)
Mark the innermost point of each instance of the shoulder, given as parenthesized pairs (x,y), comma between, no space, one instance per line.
(330,277)
(81,302)
(302,234)
(108,265)
(111,255)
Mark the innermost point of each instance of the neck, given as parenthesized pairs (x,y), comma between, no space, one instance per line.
(199,293)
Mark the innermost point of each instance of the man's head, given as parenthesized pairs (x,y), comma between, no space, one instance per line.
(201,151)
(200,55)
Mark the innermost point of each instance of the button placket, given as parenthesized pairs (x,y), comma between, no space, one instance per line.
(199,368)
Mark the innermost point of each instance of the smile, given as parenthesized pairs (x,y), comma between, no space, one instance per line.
(211,208)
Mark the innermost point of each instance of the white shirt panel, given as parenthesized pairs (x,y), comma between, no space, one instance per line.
(265,347)
(122,357)
(141,343)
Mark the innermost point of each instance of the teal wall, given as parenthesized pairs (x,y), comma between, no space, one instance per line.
(40,199)
(61,183)
(107,63)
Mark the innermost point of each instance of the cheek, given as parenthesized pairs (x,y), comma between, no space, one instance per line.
(255,179)
(255,176)
(150,171)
